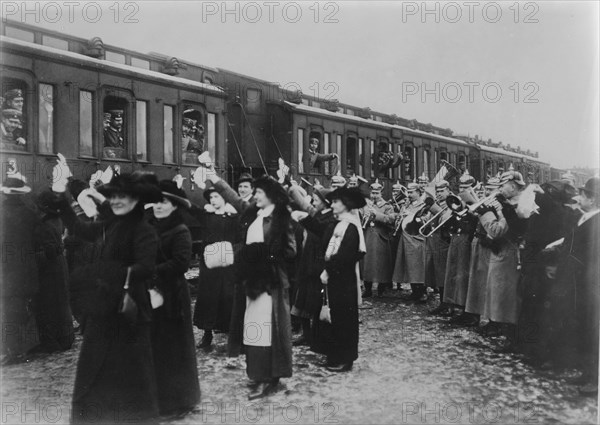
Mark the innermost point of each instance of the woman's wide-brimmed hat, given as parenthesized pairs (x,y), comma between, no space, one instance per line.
(141,185)
(274,191)
(351,197)
(170,191)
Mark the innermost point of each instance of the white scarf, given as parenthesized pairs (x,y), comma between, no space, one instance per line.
(255,231)
(344,220)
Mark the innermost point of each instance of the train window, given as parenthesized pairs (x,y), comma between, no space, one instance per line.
(86,101)
(57,43)
(115,123)
(391,170)
(373,156)
(141,130)
(168,134)
(192,136)
(443,156)
(326,150)
(316,104)
(350,112)
(378,118)
(426,162)
(340,110)
(351,155)
(211,135)
(361,155)
(140,63)
(46,118)
(311,162)
(409,163)
(305,102)
(337,148)
(20,34)
(462,163)
(300,150)
(253,99)
(14,115)
(115,57)
(400,155)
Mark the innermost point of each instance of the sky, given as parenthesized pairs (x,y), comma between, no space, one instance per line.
(524,73)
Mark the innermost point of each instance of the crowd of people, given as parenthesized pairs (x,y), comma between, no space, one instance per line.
(272,256)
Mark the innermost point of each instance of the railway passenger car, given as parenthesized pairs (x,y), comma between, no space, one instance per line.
(73,88)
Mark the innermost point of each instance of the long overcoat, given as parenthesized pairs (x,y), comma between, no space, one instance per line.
(478,272)
(339,339)
(215,289)
(503,298)
(281,329)
(436,253)
(53,312)
(410,259)
(378,261)
(115,380)
(456,281)
(172,334)
(19,276)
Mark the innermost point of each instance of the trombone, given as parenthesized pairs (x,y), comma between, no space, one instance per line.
(422,231)
(457,207)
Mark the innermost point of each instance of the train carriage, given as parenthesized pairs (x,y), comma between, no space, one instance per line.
(70,97)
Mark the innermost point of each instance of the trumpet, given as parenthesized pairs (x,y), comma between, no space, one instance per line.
(425,234)
(457,206)
(368,215)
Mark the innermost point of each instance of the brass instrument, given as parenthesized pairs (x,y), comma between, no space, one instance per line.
(368,217)
(428,222)
(460,210)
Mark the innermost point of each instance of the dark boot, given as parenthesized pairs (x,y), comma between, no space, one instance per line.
(206,339)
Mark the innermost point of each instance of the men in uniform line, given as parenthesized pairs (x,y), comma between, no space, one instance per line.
(459,256)
(436,247)
(10,136)
(315,158)
(479,264)
(244,187)
(378,220)
(505,229)
(409,267)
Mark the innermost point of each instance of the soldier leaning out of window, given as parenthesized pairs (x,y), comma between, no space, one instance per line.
(316,158)
(11,136)
(113,135)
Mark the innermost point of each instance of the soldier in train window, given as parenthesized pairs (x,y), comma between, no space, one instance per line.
(11,137)
(192,136)
(315,158)
(114,136)
(13,100)
(386,160)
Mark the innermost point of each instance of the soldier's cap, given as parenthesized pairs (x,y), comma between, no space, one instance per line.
(189,122)
(107,115)
(513,176)
(466,179)
(11,114)
(245,177)
(413,186)
(313,138)
(376,186)
(592,187)
(13,94)
(442,184)
(397,185)
(493,182)
(116,113)
(338,179)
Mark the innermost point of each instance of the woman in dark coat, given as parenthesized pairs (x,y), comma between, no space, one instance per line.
(115,380)
(261,319)
(53,313)
(307,300)
(218,223)
(344,246)
(172,333)
(19,271)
